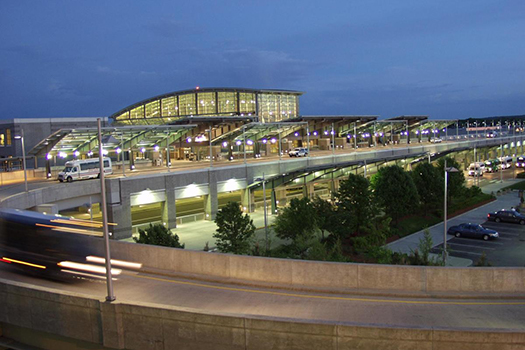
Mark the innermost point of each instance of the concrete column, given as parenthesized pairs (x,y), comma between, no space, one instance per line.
(211,201)
(119,209)
(169,211)
(308,190)
(280,196)
(333,185)
(248,200)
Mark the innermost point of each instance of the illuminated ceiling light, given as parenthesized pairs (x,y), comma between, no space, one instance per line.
(118,150)
(273,140)
(76,154)
(296,134)
(264,141)
(143,150)
(238,142)
(62,154)
(105,152)
(90,153)
(249,142)
(188,139)
(315,133)
(156,148)
(224,144)
(326,132)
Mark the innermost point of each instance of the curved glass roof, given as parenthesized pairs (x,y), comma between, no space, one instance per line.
(264,105)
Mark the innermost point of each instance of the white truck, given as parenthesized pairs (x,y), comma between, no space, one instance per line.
(476,169)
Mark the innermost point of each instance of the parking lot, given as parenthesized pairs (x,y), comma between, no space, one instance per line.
(507,250)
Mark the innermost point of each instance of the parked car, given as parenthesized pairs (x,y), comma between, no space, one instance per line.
(298,152)
(507,216)
(435,140)
(492,134)
(472,231)
(520,162)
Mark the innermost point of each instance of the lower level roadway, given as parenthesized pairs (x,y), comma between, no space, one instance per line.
(489,314)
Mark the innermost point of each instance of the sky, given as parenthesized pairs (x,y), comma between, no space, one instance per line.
(445,59)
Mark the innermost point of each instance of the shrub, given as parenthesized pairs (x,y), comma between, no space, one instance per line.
(158,235)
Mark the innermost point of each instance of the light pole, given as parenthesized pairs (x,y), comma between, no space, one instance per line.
(21,138)
(109,278)
(211,153)
(265,214)
(447,170)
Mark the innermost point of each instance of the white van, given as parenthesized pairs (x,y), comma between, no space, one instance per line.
(476,169)
(506,162)
(84,169)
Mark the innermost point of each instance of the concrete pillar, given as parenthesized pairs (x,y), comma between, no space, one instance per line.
(333,185)
(280,196)
(211,201)
(248,200)
(119,209)
(169,211)
(308,190)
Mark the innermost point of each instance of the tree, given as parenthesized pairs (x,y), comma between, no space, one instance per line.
(429,183)
(234,230)
(456,180)
(158,235)
(324,212)
(354,204)
(297,221)
(395,192)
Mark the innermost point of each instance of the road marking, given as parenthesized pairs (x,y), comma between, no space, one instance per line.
(305,296)
(464,252)
(469,240)
(471,246)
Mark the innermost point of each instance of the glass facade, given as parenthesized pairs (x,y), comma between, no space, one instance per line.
(267,105)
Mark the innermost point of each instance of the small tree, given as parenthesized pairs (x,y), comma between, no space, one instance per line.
(429,183)
(324,212)
(158,235)
(456,180)
(354,204)
(297,221)
(234,230)
(395,191)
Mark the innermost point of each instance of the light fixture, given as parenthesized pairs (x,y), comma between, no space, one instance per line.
(143,150)
(156,148)
(76,154)
(224,144)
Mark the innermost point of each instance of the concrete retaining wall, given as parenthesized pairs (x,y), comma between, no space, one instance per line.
(53,320)
(298,274)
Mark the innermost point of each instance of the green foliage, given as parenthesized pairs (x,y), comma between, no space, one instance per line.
(483,261)
(158,235)
(324,214)
(354,205)
(421,256)
(322,251)
(456,180)
(395,191)
(234,230)
(429,183)
(296,222)
(521,175)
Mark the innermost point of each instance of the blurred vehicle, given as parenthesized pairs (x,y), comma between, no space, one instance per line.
(436,140)
(507,216)
(476,169)
(298,152)
(492,166)
(506,162)
(520,162)
(472,231)
(492,134)
(50,246)
(84,169)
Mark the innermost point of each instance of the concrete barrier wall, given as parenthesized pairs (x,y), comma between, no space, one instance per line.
(298,274)
(56,320)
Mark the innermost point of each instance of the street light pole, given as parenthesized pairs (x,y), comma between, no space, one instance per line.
(445,218)
(265,214)
(21,137)
(109,278)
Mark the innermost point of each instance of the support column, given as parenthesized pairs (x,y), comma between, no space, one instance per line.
(248,200)
(273,202)
(169,211)
(119,210)
(211,201)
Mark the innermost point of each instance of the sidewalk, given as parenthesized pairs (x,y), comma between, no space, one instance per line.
(478,216)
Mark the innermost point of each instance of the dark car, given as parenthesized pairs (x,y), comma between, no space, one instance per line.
(473,231)
(507,216)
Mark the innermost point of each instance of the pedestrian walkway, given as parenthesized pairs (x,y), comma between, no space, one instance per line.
(410,243)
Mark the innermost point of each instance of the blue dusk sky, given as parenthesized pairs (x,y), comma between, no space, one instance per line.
(446,59)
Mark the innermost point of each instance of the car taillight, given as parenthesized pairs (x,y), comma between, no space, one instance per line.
(488,215)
